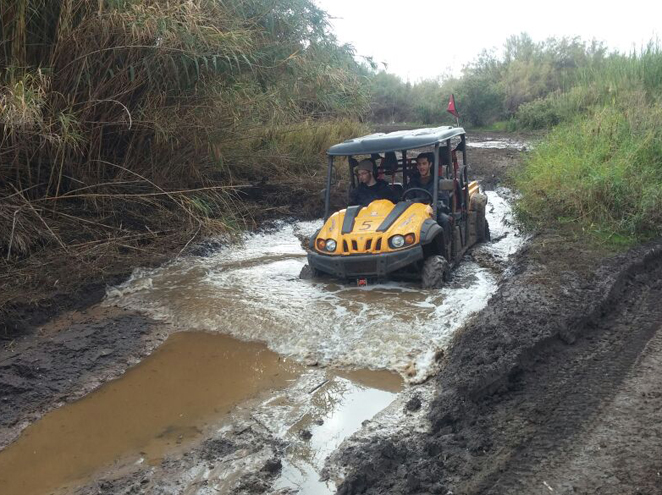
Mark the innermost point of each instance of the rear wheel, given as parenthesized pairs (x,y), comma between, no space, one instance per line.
(436,271)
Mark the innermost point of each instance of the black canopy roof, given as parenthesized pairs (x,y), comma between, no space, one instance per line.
(395,141)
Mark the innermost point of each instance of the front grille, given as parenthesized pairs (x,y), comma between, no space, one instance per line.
(363,267)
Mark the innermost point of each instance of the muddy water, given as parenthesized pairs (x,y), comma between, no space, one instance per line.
(193,380)
(253,292)
(338,411)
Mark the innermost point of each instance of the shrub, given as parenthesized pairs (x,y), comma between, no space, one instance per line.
(601,172)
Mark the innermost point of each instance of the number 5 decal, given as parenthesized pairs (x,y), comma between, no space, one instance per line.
(366,225)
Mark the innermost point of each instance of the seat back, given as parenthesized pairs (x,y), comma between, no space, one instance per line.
(446,185)
(397,189)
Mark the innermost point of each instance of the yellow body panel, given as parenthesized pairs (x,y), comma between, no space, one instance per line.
(473,188)
(364,238)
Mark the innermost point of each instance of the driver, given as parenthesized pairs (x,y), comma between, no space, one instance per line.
(423,180)
(369,188)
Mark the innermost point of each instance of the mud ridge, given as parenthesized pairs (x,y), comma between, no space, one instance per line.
(60,366)
(542,311)
(567,331)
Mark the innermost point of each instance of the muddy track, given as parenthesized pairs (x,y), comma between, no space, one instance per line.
(556,401)
(552,389)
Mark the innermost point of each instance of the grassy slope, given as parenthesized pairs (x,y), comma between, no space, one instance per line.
(600,168)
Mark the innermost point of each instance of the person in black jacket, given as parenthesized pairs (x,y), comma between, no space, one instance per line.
(369,188)
(424,178)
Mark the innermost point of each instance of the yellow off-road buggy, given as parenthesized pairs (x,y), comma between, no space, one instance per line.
(424,234)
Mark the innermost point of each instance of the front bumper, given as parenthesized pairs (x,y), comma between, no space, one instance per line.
(364,265)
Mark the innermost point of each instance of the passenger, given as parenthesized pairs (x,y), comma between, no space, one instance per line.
(424,179)
(369,188)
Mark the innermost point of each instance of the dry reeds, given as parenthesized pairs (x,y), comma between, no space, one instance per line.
(118,117)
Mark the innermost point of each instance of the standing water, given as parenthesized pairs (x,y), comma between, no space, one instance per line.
(253,292)
(363,342)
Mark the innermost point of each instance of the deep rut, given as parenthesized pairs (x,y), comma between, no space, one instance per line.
(568,424)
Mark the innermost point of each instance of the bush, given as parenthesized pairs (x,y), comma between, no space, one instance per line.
(602,173)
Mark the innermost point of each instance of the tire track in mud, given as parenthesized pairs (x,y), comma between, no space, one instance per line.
(529,389)
(573,388)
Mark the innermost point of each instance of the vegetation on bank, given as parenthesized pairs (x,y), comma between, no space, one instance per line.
(130,129)
(599,168)
(125,119)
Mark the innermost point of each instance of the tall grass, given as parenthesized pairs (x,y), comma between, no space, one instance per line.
(289,152)
(601,173)
(601,168)
(623,81)
(151,113)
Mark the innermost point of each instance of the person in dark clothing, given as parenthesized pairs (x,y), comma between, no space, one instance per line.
(369,188)
(424,179)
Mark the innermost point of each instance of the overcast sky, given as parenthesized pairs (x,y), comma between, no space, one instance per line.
(408,35)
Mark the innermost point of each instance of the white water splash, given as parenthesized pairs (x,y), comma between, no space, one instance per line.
(252,291)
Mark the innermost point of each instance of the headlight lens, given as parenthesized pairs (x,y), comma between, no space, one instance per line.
(321,244)
(410,239)
(330,245)
(397,241)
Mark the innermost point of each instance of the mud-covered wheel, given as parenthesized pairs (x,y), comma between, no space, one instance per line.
(436,271)
(308,272)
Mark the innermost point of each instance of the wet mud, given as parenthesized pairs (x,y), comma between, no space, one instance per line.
(537,393)
(166,401)
(551,387)
(67,359)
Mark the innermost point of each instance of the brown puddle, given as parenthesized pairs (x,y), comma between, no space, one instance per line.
(378,379)
(193,379)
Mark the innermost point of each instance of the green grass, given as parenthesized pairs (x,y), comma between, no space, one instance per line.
(600,169)
(601,173)
(287,152)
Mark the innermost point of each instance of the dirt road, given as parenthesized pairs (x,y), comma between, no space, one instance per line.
(552,388)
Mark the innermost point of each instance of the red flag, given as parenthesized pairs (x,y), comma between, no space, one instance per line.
(451,107)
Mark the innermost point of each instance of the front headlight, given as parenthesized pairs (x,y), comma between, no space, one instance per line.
(330,245)
(397,241)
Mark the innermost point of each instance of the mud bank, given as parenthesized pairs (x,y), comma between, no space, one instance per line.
(67,359)
(551,389)
(55,279)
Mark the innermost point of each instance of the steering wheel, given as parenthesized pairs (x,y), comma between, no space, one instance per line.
(418,190)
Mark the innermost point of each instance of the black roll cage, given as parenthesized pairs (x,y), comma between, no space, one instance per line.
(404,165)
